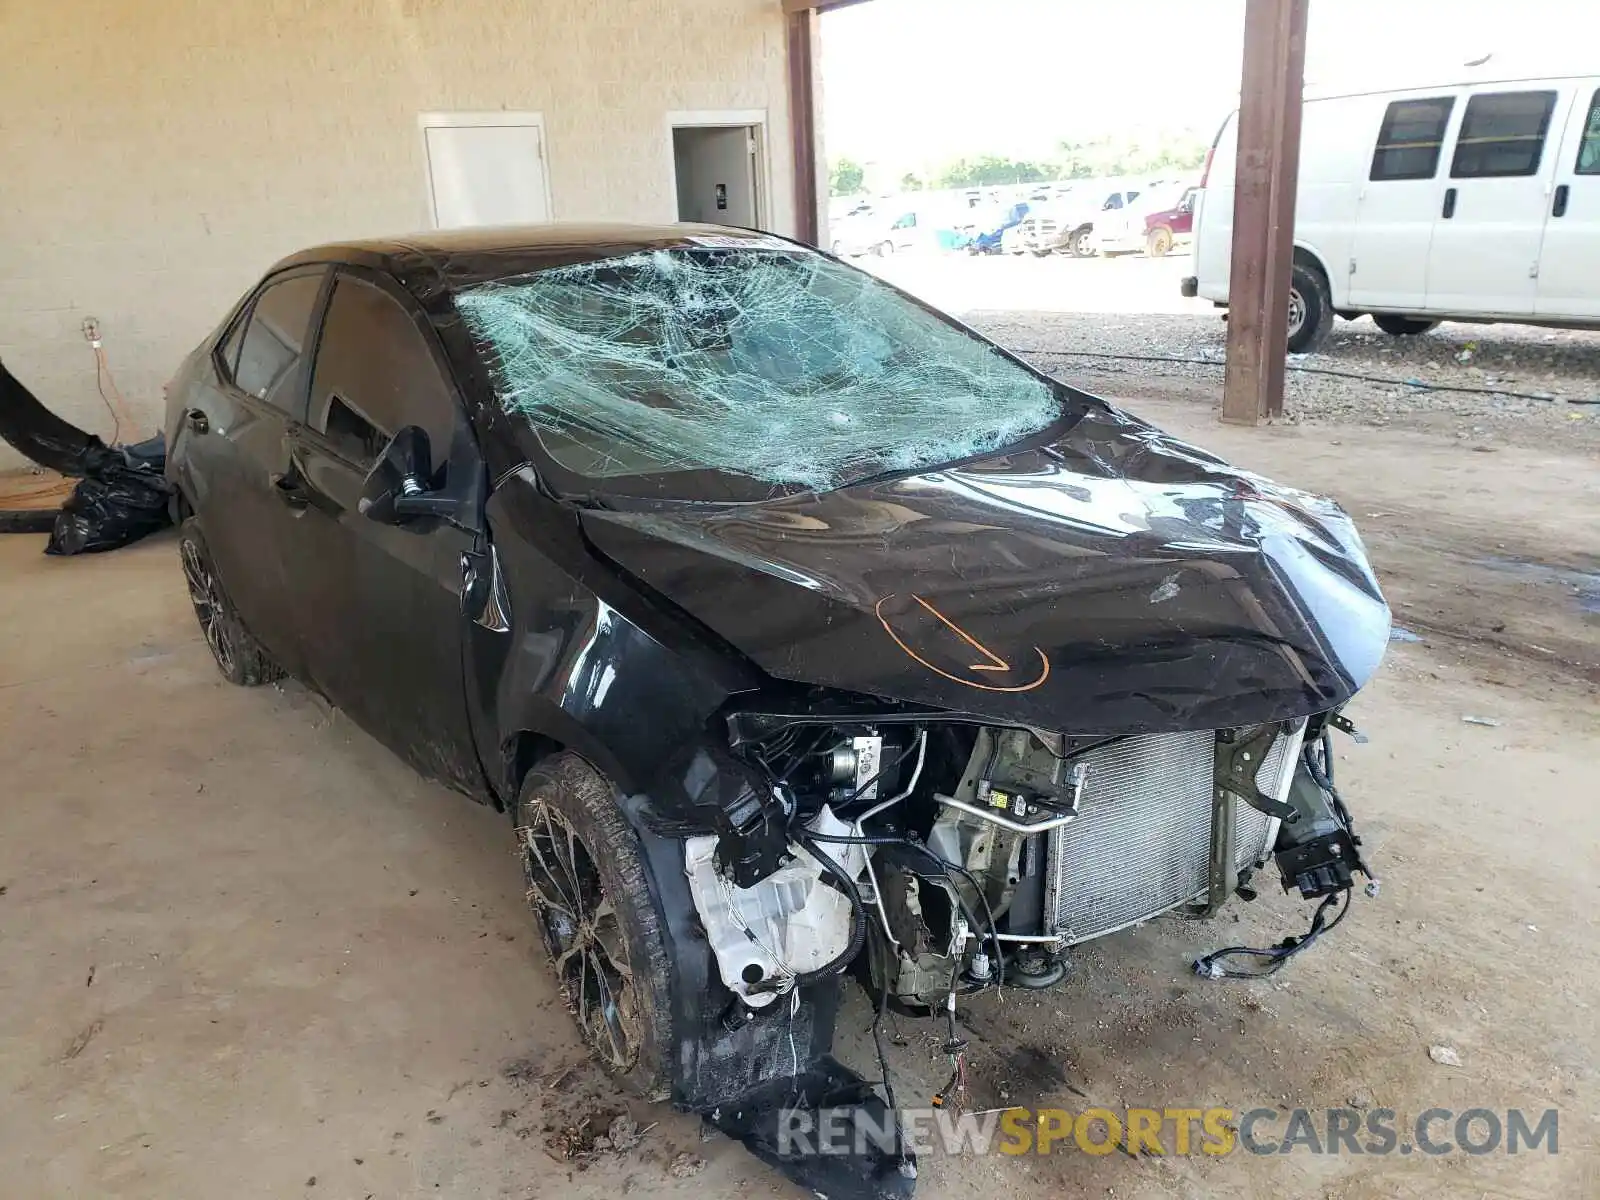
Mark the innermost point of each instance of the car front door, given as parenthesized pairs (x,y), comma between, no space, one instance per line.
(1398,206)
(1569,260)
(383,631)
(1484,256)
(236,433)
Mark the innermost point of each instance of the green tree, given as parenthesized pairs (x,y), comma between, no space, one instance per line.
(990,170)
(1105,156)
(846,177)
(911,182)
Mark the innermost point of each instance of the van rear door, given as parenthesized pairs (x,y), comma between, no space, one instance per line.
(1399,202)
(1569,261)
(1484,257)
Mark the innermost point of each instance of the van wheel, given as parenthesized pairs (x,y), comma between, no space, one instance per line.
(1082,246)
(1310,310)
(1401,326)
(883,249)
(598,915)
(241,659)
(1159,243)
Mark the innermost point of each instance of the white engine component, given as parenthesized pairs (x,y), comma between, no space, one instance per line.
(789,923)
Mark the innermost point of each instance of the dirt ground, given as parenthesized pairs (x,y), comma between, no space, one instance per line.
(247,953)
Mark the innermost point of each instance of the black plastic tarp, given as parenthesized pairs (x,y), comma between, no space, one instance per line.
(122,494)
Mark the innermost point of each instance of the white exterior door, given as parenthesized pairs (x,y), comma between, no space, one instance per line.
(1399,203)
(1569,262)
(482,173)
(1484,257)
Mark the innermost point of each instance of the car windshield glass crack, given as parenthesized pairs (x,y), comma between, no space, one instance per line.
(773,364)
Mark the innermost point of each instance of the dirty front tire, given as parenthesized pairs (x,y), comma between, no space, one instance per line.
(1080,242)
(1401,326)
(240,658)
(1310,310)
(1159,242)
(596,911)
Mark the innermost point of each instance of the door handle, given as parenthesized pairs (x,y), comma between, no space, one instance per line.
(196,421)
(1559,208)
(1449,203)
(289,488)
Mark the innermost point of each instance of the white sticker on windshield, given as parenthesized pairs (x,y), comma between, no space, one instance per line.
(719,241)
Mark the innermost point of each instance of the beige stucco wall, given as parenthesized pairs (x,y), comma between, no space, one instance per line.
(157,155)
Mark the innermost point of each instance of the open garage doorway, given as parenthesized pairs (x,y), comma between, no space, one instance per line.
(719,163)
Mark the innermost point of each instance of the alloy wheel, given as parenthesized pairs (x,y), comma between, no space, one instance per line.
(209,607)
(583,934)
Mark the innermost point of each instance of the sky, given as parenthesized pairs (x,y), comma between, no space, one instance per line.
(913,84)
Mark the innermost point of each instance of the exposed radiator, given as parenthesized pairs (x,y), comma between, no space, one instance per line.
(1142,841)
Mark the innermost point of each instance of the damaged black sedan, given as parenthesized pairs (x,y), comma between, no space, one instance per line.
(800,629)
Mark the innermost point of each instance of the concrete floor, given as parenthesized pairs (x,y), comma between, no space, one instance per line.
(245,952)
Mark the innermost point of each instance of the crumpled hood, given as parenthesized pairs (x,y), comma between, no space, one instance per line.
(1117,581)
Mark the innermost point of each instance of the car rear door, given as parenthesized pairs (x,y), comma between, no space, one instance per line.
(384,634)
(1569,260)
(236,433)
(1484,256)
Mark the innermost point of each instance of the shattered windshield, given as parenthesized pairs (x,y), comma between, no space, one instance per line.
(765,362)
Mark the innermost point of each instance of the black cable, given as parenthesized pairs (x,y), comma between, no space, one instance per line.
(945,866)
(858,911)
(1211,966)
(1207,362)
(1321,773)
(804,754)
(877,1027)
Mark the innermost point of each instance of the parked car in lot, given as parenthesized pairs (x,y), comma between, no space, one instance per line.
(1037,233)
(1159,221)
(798,628)
(988,228)
(1466,201)
(906,229)
(1077,216)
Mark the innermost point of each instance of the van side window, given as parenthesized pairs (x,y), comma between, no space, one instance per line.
(1502,133)
(1589,148)
(1410,138)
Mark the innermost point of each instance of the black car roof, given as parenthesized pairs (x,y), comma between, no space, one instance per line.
(448,260)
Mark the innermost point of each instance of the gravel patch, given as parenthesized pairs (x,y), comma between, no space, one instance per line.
(1560,367)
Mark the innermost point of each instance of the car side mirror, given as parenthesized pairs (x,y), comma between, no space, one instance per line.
(399,488)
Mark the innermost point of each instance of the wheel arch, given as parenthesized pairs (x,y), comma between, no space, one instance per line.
(1312,260)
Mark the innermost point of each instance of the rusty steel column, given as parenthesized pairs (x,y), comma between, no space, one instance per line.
(801,35)
(1263,208)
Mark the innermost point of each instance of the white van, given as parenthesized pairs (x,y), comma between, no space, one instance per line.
(1466,202)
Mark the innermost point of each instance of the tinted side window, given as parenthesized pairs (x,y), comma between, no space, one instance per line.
(1589,148)
(274,340)
(1112,201)
(374,375)
(1502,133)
(1410,138)
(229,350)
